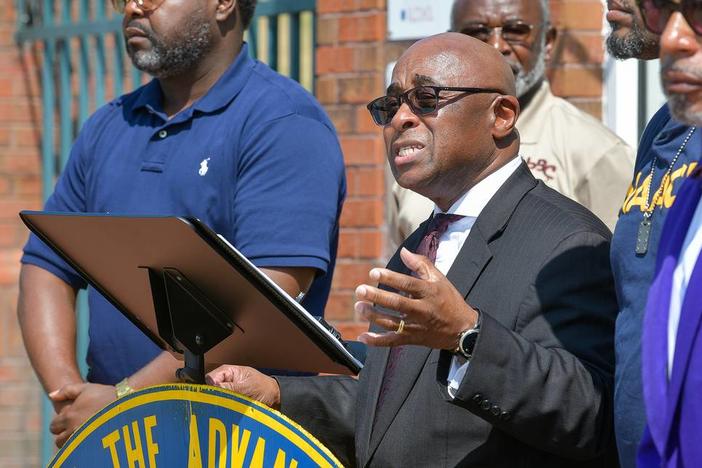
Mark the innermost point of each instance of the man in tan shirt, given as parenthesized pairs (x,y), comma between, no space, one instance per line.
(568,149)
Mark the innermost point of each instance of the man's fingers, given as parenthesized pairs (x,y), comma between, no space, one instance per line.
(58,424)
(405,283)
(61,438)
(369,313)
(222,375)
(383,339)
(67,392)
(386,299)
(417,263)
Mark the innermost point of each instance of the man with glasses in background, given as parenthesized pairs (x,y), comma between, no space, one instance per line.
(492,343)
(671,343)
(667,154)
(215,135)
(568,149)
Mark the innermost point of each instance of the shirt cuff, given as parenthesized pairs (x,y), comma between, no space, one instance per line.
(459,366)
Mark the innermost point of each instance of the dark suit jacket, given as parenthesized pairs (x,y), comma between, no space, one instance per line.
(538,390)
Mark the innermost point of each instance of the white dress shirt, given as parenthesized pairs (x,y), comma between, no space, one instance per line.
(469,205)
(681,277)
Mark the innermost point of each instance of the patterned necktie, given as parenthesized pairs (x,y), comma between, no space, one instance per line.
(427,247)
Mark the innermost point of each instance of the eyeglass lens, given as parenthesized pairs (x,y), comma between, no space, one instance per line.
(510,32)
(145,5)
(656,14)
(422,100)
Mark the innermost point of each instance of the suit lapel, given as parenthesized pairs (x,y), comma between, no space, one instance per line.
(465,270)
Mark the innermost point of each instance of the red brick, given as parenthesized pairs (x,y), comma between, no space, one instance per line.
(335,60)
(584,14)
(582,82)
(362,213)
(26,136)
(340,306)
(4,136)
(28,185)
(327,90)
(365,181)
(5,185)
(573,47)
(360,244)
(9,235)
(24,161)
(372,5)
(327,30)
(342,117)
(362,27)
(350,275)
(9,209)
(363,150)
(360,89)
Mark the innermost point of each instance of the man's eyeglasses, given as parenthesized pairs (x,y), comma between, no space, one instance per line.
(422,100)
(514,33)
(657,12)
(144,5)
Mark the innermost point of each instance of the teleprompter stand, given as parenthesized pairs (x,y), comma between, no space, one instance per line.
(187,320)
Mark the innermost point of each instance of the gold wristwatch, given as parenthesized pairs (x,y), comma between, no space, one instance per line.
(123,389)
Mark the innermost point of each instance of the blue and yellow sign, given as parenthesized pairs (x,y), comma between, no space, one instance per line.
(193,426)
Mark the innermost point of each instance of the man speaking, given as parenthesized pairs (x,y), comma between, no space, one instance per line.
(500,353)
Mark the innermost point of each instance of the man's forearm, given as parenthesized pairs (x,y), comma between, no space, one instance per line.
(46,313)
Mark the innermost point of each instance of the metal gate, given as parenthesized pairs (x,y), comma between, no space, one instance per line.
(84,64)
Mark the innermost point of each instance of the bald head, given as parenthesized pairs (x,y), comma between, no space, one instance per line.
(462,59)
(453,112)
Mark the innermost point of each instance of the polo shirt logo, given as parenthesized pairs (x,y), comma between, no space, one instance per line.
(203,167)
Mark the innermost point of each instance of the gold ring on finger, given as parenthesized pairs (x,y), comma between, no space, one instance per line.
(400,327)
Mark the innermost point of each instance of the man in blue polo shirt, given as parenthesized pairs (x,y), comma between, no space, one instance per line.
(217,136)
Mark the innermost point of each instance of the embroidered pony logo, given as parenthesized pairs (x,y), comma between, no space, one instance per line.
(203,167)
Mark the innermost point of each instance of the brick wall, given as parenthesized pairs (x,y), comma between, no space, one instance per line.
(20,188)
(350,72)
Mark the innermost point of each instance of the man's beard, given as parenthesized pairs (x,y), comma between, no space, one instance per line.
(633,45)
(525,82)
(681,110)
(177,54)
(681,106)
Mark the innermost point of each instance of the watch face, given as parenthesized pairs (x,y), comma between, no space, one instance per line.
(468,343)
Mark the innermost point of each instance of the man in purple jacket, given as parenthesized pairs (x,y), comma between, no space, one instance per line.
(671,342)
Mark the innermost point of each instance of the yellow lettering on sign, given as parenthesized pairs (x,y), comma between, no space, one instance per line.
(151,446)
(110,441)
(135,454)
(257,459)
(217,434)
(239,446)
(194,457)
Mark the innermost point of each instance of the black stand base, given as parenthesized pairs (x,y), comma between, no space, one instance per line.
(187,320)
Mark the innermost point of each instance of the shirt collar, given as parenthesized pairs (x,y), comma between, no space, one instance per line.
(475,199)
(219,95)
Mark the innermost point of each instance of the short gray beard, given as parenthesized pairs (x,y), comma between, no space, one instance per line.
(175,56)
(633,45)
(525,82)
(681,110)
